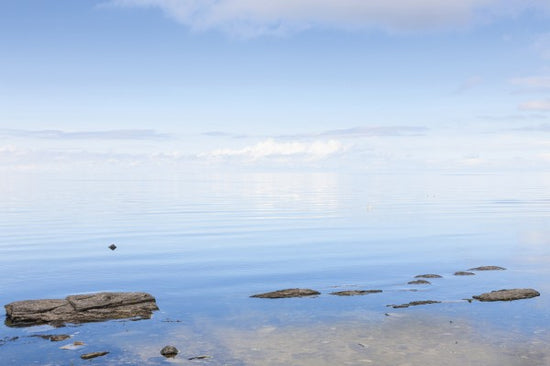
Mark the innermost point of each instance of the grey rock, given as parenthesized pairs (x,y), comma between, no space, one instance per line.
(53,337)
(169,351)
(291,292)
(81,309)
(487,268)
(202,357)
(429,275)
(355,292)
(112,247)
(464,273)
(415,303)
(508,295)
(419,282)
(88,356)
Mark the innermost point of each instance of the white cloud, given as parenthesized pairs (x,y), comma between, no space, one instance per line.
(536,105)
(532,83)
(271,149)
(254,17)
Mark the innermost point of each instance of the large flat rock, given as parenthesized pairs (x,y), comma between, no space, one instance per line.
(81,308)
(291,292)
(508,295)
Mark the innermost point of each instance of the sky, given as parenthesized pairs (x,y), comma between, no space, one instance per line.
(122,85)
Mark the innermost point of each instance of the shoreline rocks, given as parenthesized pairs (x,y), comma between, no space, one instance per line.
(508,295)
(81,309)
(287,293)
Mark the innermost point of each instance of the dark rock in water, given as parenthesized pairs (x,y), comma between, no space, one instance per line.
(7,339)
(355,292)
(464,273)
(87,356)
(291,292)
(169,351)
(430,275)
(419,282)
(415,303)
(53,337)
(203,357)
(508,295)
(112,247)
(81,309)
(487,268)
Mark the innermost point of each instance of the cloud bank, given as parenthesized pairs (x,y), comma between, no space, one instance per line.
(254,17)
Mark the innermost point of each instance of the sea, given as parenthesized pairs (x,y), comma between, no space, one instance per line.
(203,244)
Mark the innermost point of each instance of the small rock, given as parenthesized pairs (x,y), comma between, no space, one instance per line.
(112,247)
(169,351)
(487,268)
(415,303)
(464,273)
(508,295)
(419,282)
(203,357)
(430,275)
(7,339)
(355,292)
(87,356)
(292,292)
(53,337)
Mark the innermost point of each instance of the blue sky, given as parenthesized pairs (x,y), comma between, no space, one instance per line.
(419,84)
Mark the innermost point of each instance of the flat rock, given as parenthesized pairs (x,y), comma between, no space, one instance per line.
(291,292)
(464,273)
(88,356)
(415,303)
(487,268)
(419,282)
(81,309)
(508,295)
(429,275)
(355,292)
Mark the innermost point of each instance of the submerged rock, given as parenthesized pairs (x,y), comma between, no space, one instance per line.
(355,292)
(464,273)
(487,268)
(415,303)
(508,295)
(87,356)
(53,337)
(419,282)
(81,309)
(291,292)
(169,351)
(429,275)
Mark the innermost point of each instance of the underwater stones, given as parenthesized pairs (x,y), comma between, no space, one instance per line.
(487,268)
(81,309)
(464,273)
(415,303)
(355,292)
(508,295)
(291,292)
(88,356)
(419,282)
(169,351)
(429,275)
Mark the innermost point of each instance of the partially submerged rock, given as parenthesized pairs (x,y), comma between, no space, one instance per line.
(487,268)
(508,295)
(355,292)
(169,351)
(415,303)
(419,282)
(88,356)
(464,273)
(291,292)
(53,337)
(81,309)
(429,275)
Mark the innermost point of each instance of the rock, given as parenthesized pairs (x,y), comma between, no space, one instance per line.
(430,275)
(463,273)
(87,356)
(169,351)
(203,357)
(112,247)
(487,268)
(292,292)
(81,309)
(508,295)
(53,337)
(355,292)
(7,339)
(415,303)
(419,282)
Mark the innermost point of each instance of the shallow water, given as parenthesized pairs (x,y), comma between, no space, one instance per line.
(203,245)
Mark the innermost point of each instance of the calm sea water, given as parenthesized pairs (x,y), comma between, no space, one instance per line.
(202,246)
